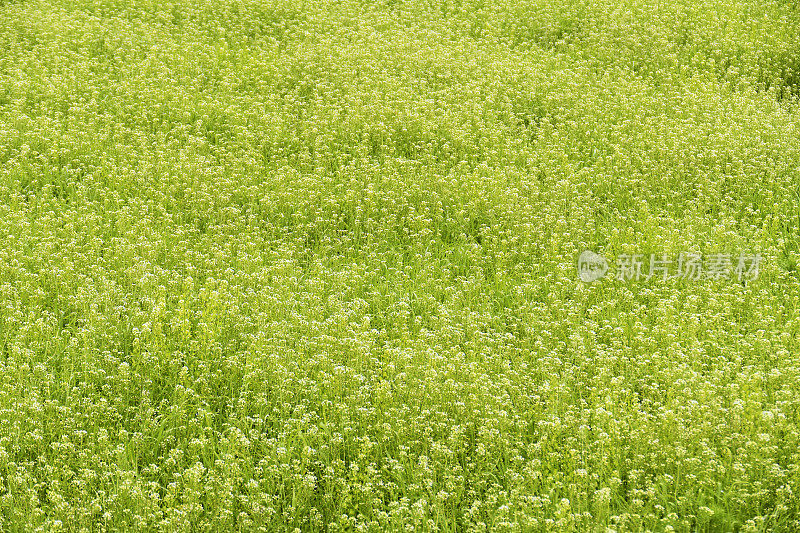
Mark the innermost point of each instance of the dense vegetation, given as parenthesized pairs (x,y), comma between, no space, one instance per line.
(288,265)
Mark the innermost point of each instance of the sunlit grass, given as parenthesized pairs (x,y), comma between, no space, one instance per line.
(278,266)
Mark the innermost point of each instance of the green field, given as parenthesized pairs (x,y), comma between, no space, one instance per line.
(311,265)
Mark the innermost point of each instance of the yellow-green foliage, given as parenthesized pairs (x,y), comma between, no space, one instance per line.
(279,265)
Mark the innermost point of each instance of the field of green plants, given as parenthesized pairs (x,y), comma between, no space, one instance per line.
(310,265)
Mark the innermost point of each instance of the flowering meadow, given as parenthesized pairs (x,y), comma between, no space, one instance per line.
(310,265)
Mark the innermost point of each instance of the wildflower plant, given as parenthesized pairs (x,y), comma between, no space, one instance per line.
(310,265)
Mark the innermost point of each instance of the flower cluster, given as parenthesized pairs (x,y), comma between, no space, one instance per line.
(286,265)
